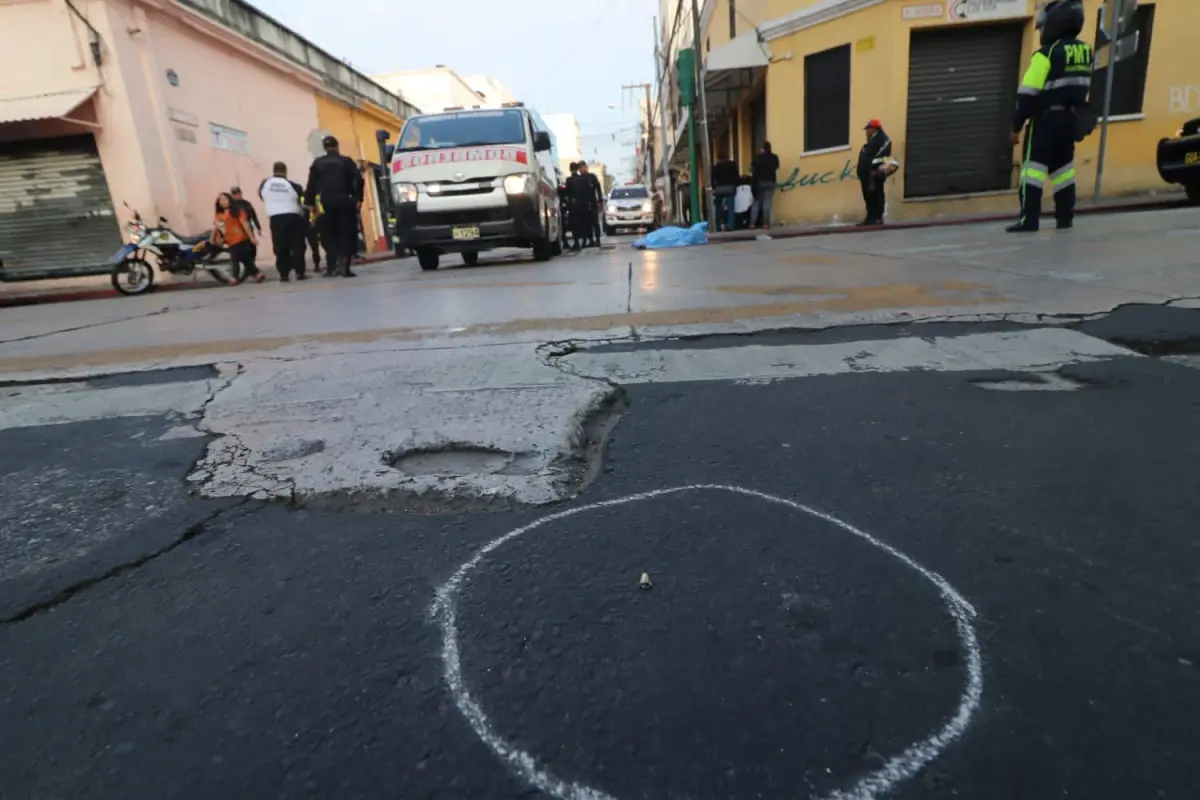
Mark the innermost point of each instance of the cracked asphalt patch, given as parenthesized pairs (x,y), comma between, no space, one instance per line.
(289,652)
(234,648)
(80,500)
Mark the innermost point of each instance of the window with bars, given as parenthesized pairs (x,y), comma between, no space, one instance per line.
(827,99)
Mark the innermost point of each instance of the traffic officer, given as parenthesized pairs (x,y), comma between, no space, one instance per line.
(335,178)
(1052,93)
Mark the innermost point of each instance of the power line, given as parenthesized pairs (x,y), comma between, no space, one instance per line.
(555,71)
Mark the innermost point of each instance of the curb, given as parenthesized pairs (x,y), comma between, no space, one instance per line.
(784,233)
(52,296)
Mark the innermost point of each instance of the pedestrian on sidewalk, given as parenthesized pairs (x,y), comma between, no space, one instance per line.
(1053,110)
(578,194)
(725,180)
(764,170)
(282,199)
(232,229)
(244,206)
(595,202)
(335,178)
(871,173)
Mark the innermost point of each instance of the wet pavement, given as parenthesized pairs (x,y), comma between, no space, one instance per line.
(868,557)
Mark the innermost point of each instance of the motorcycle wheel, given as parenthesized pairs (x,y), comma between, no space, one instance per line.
(133,276)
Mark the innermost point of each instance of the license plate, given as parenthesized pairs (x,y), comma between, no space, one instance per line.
(465,232)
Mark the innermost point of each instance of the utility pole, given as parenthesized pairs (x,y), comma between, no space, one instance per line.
(704,160)
(662,129)
(647,130)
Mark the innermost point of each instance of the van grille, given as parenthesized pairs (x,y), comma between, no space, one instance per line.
(465,217)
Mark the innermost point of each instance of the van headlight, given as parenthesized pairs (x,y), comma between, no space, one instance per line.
(611,209)
(647,206)
(520,183)
(404,193)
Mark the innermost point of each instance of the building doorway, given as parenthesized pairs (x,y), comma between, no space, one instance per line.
(962,88)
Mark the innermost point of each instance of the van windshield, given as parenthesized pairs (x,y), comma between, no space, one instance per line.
(464,129)
(629,193)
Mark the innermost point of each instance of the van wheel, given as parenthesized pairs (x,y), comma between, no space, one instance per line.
(556,247)
(609,231)
(543,250)
(470,258)
(1193,193)
(428,259)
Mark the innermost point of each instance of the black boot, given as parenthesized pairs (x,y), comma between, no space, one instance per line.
(1020,227)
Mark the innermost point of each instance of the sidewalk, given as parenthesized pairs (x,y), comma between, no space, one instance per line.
(1155,202)
(63,290)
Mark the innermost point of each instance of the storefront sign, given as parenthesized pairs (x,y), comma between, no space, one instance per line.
(927,11)
(980,10)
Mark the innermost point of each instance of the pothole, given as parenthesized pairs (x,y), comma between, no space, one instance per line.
(461,461)
(293,449)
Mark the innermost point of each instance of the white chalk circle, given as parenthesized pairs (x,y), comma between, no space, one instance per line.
(895,771)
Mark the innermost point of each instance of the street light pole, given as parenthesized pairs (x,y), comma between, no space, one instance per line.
(1112,15)
(662,129)
(705,155)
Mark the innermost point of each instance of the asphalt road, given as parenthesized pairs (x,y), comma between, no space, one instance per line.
(174,647)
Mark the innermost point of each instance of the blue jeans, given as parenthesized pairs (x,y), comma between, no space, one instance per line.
(725,210)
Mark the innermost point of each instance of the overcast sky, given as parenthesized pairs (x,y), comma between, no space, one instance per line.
(560,56)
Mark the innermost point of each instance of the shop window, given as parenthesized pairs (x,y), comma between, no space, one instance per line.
(827,99)
(1129,80)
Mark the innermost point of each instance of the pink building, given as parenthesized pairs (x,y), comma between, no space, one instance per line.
(156,104)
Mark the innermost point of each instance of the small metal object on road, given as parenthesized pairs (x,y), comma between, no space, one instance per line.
(644,581)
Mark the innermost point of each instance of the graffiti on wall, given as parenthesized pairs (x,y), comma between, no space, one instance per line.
(1184,100)
(798,181)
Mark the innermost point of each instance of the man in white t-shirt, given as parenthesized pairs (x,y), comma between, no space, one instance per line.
(284,201)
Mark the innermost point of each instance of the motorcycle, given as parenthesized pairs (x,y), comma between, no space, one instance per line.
(179,255)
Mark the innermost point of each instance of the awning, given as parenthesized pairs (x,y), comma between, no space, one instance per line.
(42,106)
(731,69)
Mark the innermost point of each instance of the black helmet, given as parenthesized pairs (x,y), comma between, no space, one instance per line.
(1059,19)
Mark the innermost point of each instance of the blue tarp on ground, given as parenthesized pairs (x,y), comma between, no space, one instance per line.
(670,236)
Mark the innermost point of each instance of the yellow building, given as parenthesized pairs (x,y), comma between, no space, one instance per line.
(942,77)
(354,123)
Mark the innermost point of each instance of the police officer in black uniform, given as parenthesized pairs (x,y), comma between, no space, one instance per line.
(335,178)
(1053,93)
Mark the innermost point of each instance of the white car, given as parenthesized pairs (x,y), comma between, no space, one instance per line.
(629,207)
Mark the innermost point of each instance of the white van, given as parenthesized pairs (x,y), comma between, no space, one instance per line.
(469,180)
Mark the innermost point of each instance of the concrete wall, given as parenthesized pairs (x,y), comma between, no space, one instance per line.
(879,88)
(232,114)
(169,73)
(431,90)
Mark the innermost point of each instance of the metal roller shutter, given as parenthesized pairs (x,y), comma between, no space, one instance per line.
(962,89)
(56,216)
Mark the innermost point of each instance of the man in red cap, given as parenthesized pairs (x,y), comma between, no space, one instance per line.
(877,147)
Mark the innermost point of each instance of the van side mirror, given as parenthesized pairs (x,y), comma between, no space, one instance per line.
(388,151)
(541,142)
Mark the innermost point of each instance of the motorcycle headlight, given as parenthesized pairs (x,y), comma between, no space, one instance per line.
(647,206)
(520,183)
(404,192)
